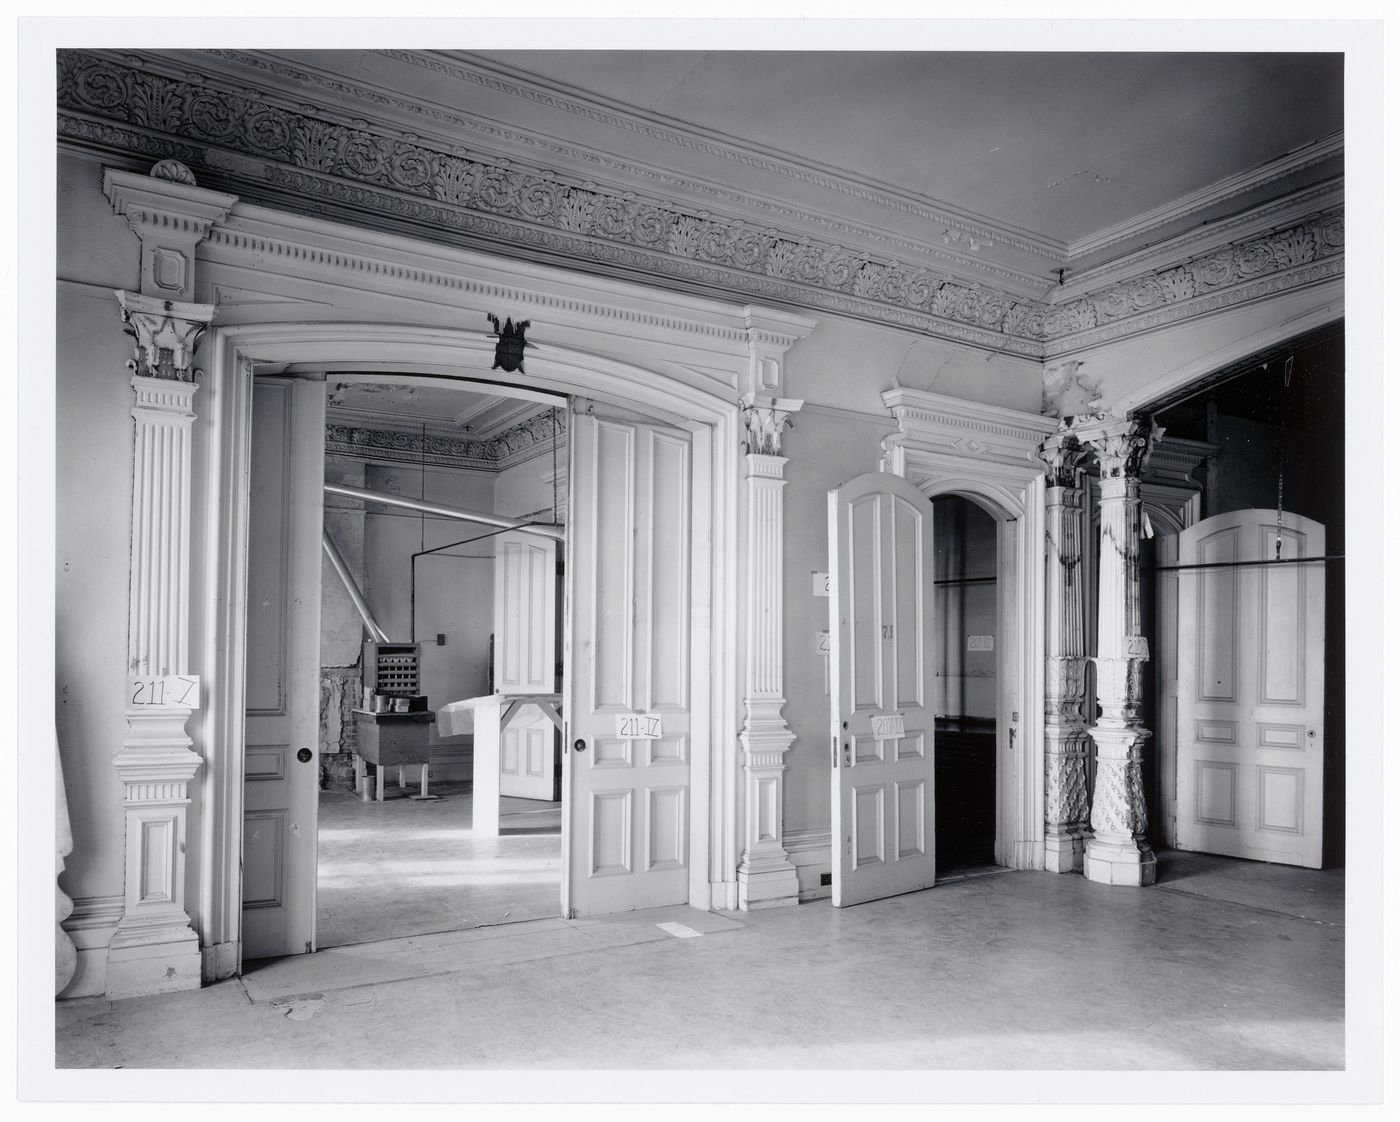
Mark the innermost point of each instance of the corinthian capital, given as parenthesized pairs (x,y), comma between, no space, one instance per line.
(166,334)
(765,418)
(1063,455)
(1121,443)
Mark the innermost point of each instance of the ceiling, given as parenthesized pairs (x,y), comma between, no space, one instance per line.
(1061,145)
(1005,168)
(397,404)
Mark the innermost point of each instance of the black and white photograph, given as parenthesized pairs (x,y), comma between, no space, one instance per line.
(660,562)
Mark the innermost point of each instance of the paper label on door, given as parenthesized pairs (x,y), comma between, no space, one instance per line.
(638,726)
(887,726)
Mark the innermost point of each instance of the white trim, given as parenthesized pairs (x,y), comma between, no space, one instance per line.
(636,347)
(1211,195)
(988,453)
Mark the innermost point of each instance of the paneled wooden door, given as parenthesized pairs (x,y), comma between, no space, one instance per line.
(1250,691)
(524,659)
(628,683)
(880,546)
(281,766)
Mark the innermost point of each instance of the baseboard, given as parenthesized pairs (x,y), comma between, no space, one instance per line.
(91,927)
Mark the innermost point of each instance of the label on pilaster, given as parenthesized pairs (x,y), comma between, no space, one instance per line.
(163,691)
(638,726)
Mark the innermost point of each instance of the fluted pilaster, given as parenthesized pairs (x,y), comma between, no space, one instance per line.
(155,948)
(766,877)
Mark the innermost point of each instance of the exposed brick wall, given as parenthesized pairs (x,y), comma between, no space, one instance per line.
(340,689)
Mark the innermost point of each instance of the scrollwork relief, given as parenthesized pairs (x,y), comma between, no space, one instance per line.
(834,276)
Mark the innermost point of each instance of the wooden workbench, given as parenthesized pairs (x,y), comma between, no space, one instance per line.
(386,740)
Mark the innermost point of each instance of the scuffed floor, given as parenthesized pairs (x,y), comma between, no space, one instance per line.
(404,867)
(1224,966)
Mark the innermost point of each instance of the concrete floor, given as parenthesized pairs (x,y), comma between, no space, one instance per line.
(403,867)
(1224,965)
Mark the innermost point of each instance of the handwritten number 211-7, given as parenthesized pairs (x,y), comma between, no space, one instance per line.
(163,691)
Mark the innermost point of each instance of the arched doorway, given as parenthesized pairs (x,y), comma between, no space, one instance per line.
(967,681)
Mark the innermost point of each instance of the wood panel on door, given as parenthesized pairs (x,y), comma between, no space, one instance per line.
(281,766)
(524,653)
(1250,691)
(880,545)
(628,800)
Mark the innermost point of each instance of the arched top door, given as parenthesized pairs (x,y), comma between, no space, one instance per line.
(880,543)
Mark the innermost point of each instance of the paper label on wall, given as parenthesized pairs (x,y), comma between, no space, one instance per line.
(638,726)
(887,726)
(163,691)
(821,584)
(980,642)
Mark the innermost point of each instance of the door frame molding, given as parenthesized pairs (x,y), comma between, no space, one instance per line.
(987,453)
(304,296)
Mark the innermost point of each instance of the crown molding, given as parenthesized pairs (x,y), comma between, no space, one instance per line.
(1256,222)
(1216,193)
(443,128)
(381,442)
(300,157)
(1295,256)
(474,69)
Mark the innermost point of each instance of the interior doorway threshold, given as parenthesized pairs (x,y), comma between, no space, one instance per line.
(967,872)
(478,948)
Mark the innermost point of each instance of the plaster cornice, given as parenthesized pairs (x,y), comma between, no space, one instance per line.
(1209,196)
(381,443)
(301,154)
(445,129)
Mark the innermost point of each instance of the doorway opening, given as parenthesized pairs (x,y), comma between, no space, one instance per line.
(406,842)
(1275,426)
(966,683)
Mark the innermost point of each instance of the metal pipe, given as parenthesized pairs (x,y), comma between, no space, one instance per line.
(1267,563)
(555,533)
(338,564)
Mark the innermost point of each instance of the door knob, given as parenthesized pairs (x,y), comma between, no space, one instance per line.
(579,746)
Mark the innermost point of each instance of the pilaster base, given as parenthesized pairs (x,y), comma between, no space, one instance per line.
(770,883)
(1064,852)
(141,963)
(1110,863)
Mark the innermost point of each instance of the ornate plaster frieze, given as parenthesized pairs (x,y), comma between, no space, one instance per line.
(349,164)
(1301,254)
(955,228)
(523,442)
(501,80)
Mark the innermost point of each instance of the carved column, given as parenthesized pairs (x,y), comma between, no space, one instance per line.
(154,948)
(767,879)
(1066,731)
(1118,852)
